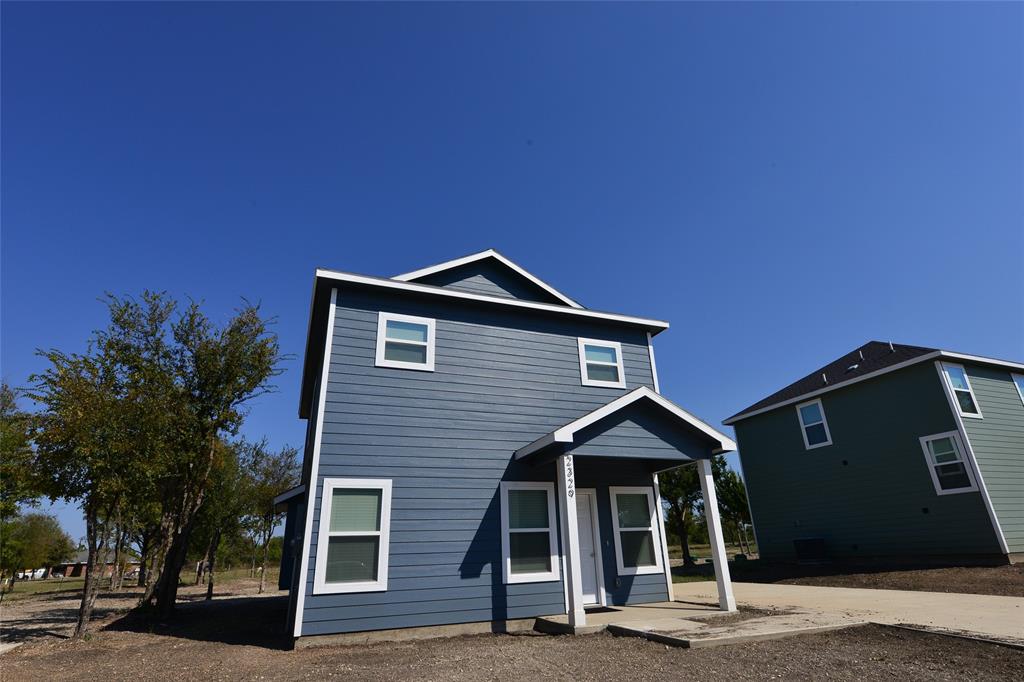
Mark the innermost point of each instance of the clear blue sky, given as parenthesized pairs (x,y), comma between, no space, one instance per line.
(781,182)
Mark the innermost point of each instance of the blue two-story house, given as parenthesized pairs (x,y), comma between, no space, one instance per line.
(481,449)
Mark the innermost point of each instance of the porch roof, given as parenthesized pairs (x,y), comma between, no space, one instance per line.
(573,433)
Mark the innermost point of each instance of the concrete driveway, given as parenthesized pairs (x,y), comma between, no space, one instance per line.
(999,618)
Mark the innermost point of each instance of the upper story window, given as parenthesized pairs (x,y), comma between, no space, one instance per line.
(949,470)
(1018,381)
(813,424)
(405,342)
(963,394)
(601,363)
(352,541)
(528,546)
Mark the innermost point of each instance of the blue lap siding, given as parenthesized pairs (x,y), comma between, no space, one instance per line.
(445,439)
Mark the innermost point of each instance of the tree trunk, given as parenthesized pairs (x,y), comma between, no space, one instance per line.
(116,571)
(167,587)
(95,535)
(214,543)
(684,539)
(263,570)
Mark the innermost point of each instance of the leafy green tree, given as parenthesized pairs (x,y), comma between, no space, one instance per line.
(271,473)
(680,490)
(105,425)
(218,371)
(17,485)
(44,543)
(732,498)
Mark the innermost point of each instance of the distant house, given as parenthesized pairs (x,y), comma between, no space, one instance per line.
(889,451)
(480,448)
(75,567)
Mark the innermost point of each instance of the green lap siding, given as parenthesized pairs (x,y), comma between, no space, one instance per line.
(998,443)
(870,493)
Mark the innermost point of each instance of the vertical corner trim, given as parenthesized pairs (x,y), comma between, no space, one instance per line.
(983,489)
(311,488)
(654,367)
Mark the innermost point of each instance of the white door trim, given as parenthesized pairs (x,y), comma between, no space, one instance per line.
(595,523)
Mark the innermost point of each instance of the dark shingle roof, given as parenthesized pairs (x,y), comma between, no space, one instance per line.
(871,357)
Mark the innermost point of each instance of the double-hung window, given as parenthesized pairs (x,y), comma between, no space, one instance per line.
(352,540)
(963,394)
(813,425)
(528,545)
(1018,381)
(601,363)
(945,455)
(405,342)
(635,524)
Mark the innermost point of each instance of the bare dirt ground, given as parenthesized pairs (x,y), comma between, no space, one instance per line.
(240,638)
(1004,581)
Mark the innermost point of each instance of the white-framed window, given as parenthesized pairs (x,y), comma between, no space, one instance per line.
(637,548)
(601,363)
(963,394)
(405,342)
(950,472)
(1018,381)
(528,548)
(352,540)
(813,424)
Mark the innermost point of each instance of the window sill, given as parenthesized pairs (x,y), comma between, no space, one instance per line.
(342,588)
(532,578)
(641,570)
(394,364)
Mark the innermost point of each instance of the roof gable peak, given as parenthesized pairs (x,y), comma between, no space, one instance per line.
(531,281)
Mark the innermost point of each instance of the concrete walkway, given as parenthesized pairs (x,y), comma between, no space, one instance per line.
(999,618)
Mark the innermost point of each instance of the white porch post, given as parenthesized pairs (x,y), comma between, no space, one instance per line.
(726,601)
(570,540)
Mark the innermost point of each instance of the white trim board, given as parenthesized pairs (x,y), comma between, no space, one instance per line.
(567,433)
(652,325)
(489,253)
(871,375)
(307,536)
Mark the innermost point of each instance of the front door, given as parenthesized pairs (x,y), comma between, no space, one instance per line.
(589,542)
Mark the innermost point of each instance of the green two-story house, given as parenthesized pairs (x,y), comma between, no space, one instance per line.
(889,451)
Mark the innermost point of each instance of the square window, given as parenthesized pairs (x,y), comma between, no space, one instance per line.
(601,363)
(405,342)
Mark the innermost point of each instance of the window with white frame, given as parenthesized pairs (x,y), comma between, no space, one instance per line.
(352,541)
(813,424)
(405,342)
(947,464)
(963,394)
(635,526)
(528,549)
(1018,381)
(601,363)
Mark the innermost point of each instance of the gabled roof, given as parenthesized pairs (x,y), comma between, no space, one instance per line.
(567,433)
(485,255)
(870,360)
